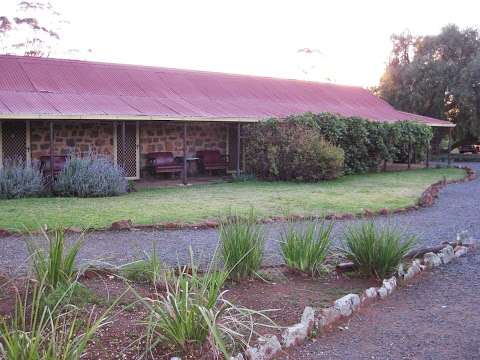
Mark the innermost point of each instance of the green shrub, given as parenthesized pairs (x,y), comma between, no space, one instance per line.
(192,313)
(291,151)
(242,243)
(38,331)
(18,180)
(56,266)
(376,251)
(90,176)
(306,249)
(365,143)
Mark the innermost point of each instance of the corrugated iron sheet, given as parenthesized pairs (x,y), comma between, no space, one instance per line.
(22,102)
(69,87)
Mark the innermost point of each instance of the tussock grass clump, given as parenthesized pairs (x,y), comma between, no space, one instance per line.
(376,250)
(56,265)
(193,314)
(41,332)
(306,249)
(242,243)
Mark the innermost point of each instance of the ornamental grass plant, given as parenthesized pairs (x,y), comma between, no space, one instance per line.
(376,251)
(306,249)
(242,244)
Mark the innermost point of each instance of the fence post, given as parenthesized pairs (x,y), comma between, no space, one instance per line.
(185,168)
(409,152)
(428,156)
(52,143)
(449,145)
(124,148)
(238,148)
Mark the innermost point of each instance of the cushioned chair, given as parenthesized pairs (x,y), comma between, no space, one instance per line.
(59,162)
(212,160)
(163,163)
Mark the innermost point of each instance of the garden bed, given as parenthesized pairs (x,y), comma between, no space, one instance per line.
(287,292)
(282,290)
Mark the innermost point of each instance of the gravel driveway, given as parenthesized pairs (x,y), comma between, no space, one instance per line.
(436,317)
(455,211)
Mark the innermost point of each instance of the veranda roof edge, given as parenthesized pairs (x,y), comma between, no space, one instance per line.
(125,117)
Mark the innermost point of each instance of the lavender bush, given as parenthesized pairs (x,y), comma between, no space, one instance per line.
(18,180)
(90,176)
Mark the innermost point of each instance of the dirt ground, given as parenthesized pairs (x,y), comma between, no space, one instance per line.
(284,292)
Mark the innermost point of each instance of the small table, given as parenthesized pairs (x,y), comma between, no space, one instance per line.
(192,165)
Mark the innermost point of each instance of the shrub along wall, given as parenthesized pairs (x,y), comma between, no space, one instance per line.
(365,143)
(88,176)
(291,151)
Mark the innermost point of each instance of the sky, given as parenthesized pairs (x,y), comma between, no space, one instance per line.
(348,41)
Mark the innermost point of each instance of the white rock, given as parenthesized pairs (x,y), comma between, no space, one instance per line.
(413,270)
(327,317)
(390,284)
(294,335)
(418,265)
(175,358)
(431,260)
(371,293)
(297,334)
(308,316)
(446,254)
(239,356)
(268,347)
(347,304)
(401,271)
(382,292)
(461,251)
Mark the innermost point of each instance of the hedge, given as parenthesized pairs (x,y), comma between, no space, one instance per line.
(291,151)
(306,147)
(367,144)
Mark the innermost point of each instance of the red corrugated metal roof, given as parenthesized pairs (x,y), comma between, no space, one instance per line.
(40,86)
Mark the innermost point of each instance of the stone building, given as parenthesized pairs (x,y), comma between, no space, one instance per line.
(51,107)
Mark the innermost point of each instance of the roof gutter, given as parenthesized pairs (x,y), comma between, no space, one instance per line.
(446,124)
(126,117)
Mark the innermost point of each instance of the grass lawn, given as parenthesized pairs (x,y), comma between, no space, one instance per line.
(353,193)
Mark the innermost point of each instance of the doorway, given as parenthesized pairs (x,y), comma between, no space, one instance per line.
(15,141)
(128,155)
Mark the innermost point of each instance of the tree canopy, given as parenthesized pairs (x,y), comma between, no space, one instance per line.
(437,76)
(36,28)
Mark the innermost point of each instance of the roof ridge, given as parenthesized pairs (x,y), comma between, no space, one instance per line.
(170,69)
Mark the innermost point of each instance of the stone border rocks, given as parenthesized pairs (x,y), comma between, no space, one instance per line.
(321,320)
(267,348)
(295,335)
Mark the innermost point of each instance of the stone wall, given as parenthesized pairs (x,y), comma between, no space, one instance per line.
(83,137)
(71,136)
(165,136)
